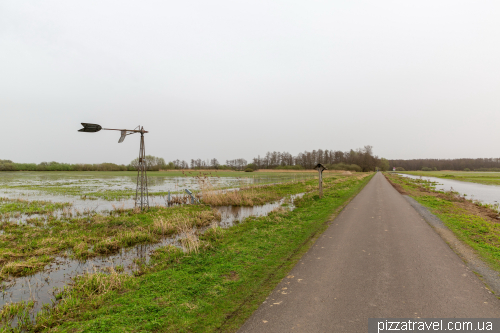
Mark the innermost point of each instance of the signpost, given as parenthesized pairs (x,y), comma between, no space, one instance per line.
(320,167)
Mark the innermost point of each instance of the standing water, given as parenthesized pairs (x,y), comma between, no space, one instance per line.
(489,194)
(43,286)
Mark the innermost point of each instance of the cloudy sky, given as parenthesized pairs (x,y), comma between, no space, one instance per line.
(234,79)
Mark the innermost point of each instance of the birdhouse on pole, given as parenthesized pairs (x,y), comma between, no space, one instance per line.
(320,167)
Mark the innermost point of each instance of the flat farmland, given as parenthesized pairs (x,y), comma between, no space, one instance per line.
(487,178)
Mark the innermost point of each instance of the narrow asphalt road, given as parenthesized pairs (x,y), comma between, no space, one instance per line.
(378,259)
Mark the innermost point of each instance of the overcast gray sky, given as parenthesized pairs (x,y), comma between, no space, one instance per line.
(234,79)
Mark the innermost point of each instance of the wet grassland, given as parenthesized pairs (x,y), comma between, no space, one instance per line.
(121,185)
(26,246)
(486,178)
(475,223)
(214,281)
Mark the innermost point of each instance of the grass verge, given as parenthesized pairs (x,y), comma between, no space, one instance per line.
(212,290)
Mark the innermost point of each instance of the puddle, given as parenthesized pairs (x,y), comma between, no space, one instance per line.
(489,194)
(43,285)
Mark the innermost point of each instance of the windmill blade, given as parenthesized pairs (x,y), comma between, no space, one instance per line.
(124,134)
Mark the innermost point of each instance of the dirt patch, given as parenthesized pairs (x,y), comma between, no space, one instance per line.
(398,187)
(232,276)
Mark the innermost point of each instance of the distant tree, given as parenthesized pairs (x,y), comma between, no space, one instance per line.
(214,164)
(383,164)
(152,163)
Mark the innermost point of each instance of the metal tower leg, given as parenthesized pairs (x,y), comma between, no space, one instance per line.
(141,192)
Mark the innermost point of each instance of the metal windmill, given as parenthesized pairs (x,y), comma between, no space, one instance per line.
(141,192)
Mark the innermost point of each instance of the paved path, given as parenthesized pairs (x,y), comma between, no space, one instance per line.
(379,258)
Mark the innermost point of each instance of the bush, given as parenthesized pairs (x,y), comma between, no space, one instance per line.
(400,169)
(248,170)
(251,166)
(466,169)
(426,169)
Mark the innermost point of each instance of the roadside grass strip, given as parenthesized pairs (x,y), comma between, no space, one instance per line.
(213,286)
(473,223)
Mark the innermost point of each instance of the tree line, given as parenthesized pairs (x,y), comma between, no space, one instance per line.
(361,159)
(427,164)
(8,165)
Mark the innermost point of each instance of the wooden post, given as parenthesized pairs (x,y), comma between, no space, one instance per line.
(320,183)
(320,167)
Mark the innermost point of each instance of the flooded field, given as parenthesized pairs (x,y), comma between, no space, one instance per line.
(32,203)
(72,186)
(489,194)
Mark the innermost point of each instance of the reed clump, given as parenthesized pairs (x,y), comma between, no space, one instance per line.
(190,241)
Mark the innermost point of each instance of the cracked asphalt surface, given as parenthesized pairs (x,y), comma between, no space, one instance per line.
(378,258)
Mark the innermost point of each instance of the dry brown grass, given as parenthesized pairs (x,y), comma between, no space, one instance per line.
(190,241)
(227,198)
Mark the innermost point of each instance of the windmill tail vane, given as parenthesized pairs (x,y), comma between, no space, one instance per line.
(141,192)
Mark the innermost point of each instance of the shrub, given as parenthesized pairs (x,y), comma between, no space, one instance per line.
(426,169)
(400,169)
(248,170)
(466,169)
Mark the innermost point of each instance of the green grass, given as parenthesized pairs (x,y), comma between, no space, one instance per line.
(213,290)
(460,216)
(487,178)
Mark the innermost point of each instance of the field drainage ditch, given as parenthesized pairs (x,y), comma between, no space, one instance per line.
(43,286)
